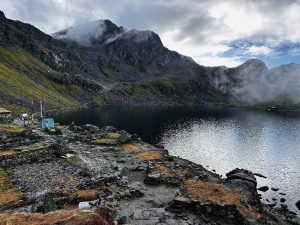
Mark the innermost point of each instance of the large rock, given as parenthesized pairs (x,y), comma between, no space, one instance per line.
(153,178)
(298,204)
(48,204)
(263,188)
(244,182)
(124,136)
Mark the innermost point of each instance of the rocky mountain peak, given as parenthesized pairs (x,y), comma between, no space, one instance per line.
(90,33)
(138,36)
(254,63)
(2,15)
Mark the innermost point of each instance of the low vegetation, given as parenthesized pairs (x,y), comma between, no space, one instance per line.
(11,128)
(150,155)
(130,148)
(26,79)
(215,193)
(56,217)
(9,196)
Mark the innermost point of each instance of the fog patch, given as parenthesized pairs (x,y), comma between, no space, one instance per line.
(133,35)
(83,34)
(254,84)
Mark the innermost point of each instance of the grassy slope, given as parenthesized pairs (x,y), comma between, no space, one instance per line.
(24,77)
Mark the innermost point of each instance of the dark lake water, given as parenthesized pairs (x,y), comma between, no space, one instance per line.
(221,138)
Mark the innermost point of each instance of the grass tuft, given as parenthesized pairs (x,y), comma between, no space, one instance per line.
(215,193)
(149,155)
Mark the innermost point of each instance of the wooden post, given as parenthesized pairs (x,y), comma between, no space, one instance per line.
(41,104)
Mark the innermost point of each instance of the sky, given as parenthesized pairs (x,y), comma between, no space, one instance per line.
(212,32)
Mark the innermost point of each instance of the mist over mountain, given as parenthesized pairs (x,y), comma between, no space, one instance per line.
(252,83)
(121,66)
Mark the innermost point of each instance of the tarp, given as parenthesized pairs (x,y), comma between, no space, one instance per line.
(47,124)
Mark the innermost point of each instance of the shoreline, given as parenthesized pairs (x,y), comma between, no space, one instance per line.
(138,175)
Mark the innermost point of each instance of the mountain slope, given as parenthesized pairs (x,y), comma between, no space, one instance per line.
(102,63)
(25,79)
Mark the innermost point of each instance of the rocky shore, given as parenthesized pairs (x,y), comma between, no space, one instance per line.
(86,175)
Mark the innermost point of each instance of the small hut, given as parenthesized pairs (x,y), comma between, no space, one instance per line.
(5,115)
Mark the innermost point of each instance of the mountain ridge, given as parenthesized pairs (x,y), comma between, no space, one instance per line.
(134,67)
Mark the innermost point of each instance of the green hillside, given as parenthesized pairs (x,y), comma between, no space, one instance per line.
(24,78)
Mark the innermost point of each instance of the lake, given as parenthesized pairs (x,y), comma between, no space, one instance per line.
(217,138)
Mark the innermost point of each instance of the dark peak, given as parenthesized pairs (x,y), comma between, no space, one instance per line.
(90,33)
(112,27)
(139,36)
(254,63)
(2,15)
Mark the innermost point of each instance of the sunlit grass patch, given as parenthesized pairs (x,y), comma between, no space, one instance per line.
(130,148)
(163,170)
(11,128)
(9,196)
(149,155)
(107,141)
(215,193)
(113,135)
(56,217)
(25,148)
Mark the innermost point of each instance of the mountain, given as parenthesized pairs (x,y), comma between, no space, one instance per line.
(26,58)
(102,63)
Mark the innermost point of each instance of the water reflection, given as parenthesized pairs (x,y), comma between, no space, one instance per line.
(263,143)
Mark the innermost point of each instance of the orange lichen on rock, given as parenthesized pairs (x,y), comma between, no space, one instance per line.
(150,155)
(130,148)
(215,193)
(63,217)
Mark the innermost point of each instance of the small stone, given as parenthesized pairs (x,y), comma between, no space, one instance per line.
(263,188)
(284,206)
(259,175)
(153,178)
(298,204)
(272,205)
(282,200)
(274,189)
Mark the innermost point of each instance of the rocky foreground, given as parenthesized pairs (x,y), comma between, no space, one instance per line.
(84,175)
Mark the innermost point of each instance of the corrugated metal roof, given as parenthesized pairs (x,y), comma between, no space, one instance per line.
(4,111)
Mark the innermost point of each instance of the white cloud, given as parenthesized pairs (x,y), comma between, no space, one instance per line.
(218,61)
(259,50)
(200,29)
(294,52)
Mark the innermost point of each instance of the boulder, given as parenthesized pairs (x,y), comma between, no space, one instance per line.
(124,137)
(244,182)
(263,188)
(298,204)
(108,129)
(153,178)
(274,189)
(90,128)
(48,204)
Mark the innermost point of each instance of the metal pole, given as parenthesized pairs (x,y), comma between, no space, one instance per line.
(41,104)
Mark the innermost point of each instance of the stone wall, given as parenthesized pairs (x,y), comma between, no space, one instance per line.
(42,155)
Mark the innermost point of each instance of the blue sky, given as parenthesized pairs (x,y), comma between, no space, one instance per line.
(284,53)
(213,32)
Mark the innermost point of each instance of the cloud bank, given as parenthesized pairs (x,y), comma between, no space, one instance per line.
(213,32)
